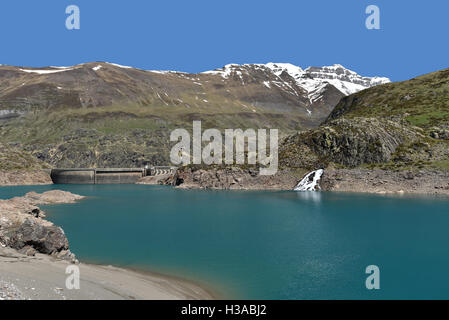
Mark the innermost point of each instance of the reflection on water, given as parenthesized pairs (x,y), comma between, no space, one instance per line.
(314,196)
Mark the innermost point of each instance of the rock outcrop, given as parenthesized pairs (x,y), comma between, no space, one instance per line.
(233,178)
(346,142)
(23,228)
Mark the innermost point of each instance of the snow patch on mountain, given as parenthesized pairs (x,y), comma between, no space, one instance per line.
(46,71)
(179,73)
(225,72)
(279,68)
(312,79)
(119,65)
(345,80)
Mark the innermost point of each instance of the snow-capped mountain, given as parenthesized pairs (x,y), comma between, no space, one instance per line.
(102,114)
(311,79)
(302,97)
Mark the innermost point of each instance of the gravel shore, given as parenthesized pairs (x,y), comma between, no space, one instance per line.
(42,277)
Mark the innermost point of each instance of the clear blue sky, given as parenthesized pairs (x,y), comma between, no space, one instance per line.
(198,35)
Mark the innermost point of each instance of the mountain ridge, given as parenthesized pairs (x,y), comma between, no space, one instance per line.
(311,81)
(104,114)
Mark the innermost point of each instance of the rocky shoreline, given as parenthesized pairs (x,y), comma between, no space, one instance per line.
(386,181)
(233,178)
(420,181)
(23,227)
(334,179)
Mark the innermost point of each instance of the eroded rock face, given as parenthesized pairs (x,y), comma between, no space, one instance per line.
(23,228)
(346,142)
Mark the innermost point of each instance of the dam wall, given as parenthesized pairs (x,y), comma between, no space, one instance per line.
(96,176)
(73,176)
(106,175)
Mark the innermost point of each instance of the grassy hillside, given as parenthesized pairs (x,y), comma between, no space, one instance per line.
(126,135)
(422,101)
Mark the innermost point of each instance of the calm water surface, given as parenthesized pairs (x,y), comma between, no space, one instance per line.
(267,245)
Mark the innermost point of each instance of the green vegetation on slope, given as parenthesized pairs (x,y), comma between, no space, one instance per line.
(126,135)
(422,101)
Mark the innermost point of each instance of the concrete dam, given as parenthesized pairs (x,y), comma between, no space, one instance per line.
(106,175)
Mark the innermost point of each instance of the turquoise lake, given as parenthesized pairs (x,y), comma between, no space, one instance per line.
(263,245)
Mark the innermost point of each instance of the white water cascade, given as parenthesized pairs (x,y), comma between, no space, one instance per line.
(310,181)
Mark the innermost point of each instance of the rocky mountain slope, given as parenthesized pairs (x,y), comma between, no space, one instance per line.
(102,114)
(399,126)
(389,138)
(18,167)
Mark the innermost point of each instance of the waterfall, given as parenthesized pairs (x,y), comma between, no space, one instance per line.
(310,181)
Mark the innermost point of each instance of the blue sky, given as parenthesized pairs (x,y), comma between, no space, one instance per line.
(199,35)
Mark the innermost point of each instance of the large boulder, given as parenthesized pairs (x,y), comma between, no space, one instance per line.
(43,237)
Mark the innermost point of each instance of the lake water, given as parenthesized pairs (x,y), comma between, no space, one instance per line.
(263,245)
